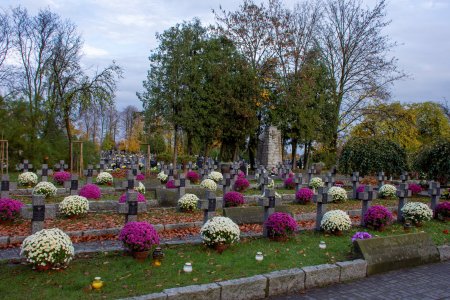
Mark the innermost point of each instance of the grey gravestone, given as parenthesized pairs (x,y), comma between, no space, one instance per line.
(321,199)
(366,197)
(209,206)
(74,185)
(44,172)
(435,192)
(381,178)
(167,197)
(268,202)
(61,166)
(402,193)
(38,217)
(355,181)
(25,166)
(7,186)
(269,147)
(89,173)
(397,251)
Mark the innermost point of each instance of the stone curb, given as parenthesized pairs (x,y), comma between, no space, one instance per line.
(444,252)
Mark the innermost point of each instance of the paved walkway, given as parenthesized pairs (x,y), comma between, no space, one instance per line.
(424,282)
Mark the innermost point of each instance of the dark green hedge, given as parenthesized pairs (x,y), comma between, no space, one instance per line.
(434,161)
(371,155)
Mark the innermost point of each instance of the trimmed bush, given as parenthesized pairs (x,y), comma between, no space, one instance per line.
(434,161)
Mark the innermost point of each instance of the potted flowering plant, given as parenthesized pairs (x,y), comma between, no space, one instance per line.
(104,178)
(193,177)
(304,195)
(188,202)
(162,177)
(209,184)
(219,232)
(233,199)
(336,221)
(139,237)
(48,249)
(387,191)
(45,188)
(216,176)
(171,184)
(337,194)
(414,188)
(27,179)
(417,212)
(140,188)
(377,217)
(9,209)
(280,225)
(140,177)
(73,206)
(61,176)
(289,183)
(316,182)
(241,184)
(90,191)
(441,212)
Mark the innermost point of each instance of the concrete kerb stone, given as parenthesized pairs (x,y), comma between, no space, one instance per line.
(4,241)
(244,288)
(285,282)
(194,292)
(321,275)
(351,270)
(154,296)
(182,225)
(444,252)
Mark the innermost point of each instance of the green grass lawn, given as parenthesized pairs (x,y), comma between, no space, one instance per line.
(126,277)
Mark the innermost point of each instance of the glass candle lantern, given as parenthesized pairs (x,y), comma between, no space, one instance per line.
(259,256)
(157,255)
(187,268)
(322,245)
(97,283)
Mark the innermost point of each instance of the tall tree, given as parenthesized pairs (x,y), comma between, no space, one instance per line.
(5,44)
(357,56)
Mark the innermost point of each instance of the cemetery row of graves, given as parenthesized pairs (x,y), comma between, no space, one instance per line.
(221,204)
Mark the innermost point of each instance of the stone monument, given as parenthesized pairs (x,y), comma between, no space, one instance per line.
(269,148)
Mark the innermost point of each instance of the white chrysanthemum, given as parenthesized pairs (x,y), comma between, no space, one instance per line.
(337,194)
(220,230)
(209,184)
(216,176)
(387,191)
(140,188)
(417,212)
(48,247)
(316,182)
(73,205)
(188,202)
(104,178)
(27,179)
(162,176)
(45,188)
(336,220)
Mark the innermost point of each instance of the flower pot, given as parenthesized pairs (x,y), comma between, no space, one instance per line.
(220,247)
(337,232)
(418,224)
(40,268)
(140,255)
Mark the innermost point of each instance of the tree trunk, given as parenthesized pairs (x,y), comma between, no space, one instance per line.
(293,152)
(69,133)
(175,148)
(189,143)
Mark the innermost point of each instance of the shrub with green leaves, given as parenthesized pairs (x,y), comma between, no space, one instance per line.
(433,160)
(372,155)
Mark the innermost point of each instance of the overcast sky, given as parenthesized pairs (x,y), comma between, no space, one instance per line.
(124,31)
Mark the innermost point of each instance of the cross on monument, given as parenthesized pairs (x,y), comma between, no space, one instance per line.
(7,186)
(381,178)
(61,166)
(44,172)
(321,199)
(402,193)
(329,180)
(180,183)
(74,185)
(268,202)
(209,205)
(89,173)
(435,192)
(404,177)
(355,181)
(131,207)
(298,180)
(25,166)
(38,217)
(366,197)
(311,171)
